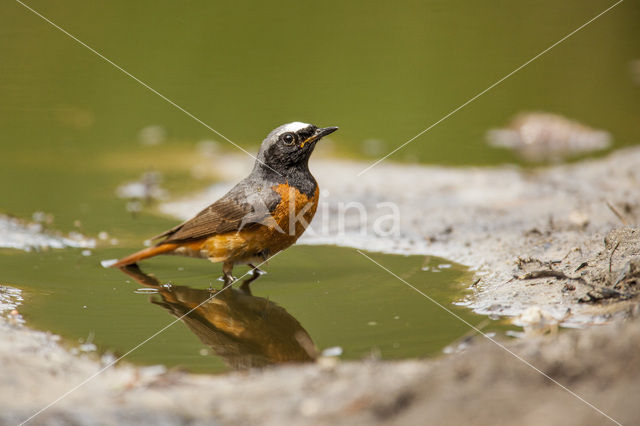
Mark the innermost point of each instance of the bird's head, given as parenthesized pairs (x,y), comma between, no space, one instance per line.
(290,145)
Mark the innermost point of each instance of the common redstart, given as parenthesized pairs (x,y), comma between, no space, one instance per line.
(264,213)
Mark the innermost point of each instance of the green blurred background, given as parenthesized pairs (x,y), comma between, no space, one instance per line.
(379,70)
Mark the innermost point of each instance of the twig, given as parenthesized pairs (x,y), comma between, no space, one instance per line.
(547,273)
(606,292)
(611,257)
(617,213)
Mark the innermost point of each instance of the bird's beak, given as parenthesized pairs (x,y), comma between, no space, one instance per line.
(319,134)
(322,132)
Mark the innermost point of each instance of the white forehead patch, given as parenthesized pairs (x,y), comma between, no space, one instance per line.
(295,126)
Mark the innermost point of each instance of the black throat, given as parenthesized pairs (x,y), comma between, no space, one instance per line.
(297,176)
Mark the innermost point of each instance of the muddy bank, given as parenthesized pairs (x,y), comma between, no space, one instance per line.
(482,385)
(536,238)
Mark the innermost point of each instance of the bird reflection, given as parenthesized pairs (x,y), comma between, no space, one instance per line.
(244,330)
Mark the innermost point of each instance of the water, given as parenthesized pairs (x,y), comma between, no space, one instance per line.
(379,70)
(295,308)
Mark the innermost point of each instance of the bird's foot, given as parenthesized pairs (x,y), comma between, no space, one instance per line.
(255,274)
(227,279)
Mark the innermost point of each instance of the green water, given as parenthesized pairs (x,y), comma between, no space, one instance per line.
(379,70)
(352,304)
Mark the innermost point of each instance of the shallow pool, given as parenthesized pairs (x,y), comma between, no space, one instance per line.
(313,298)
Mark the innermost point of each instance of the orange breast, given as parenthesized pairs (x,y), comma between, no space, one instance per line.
(288,222)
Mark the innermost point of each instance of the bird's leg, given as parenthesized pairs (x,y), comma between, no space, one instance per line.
(255,274)
(227,273)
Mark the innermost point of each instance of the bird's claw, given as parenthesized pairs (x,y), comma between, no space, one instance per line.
(227,279)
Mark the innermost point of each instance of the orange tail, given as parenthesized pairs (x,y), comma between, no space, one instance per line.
(143,254)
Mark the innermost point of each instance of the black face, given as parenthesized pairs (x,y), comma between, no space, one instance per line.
(291,145)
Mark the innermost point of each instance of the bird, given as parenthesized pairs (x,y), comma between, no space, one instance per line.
(263,214)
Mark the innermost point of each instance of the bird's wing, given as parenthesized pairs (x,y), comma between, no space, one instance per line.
(240,208)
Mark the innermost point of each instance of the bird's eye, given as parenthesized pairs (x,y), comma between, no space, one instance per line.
(288,138)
